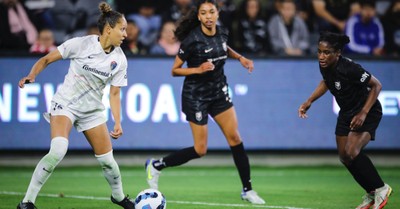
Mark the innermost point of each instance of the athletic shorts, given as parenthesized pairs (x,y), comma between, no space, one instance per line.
(370,124)
(198,111)
(82,122)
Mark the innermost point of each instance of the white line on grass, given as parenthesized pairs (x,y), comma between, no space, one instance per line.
(169,201)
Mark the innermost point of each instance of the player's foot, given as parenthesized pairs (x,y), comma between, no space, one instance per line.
(252,197)
(126,203)
(381,196)
(152,174)
(368,201)
(26,205)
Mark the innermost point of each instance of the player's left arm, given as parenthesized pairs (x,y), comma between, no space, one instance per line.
(115,104)
(246,63)
(376,87)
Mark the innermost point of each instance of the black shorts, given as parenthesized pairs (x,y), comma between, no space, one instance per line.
(197,111)
(370,124)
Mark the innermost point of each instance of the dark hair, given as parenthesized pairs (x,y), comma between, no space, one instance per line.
(370,3)
(335,40)
(107,16)
(190,21)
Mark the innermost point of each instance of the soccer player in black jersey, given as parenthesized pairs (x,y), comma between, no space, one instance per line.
(205,92)
(356,92)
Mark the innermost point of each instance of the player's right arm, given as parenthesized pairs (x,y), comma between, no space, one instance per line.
(318,92)
(39,66)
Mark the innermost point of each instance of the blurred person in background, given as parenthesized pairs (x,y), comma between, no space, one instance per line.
(17,30)
(95,61)
(252,29)
(227,9)
(391,25)
(178,9)
(205,92)
(45,43)
(288,32)
(333,14)
(132,45)
(92,29)
(365,31)
(356,92)
(167,44)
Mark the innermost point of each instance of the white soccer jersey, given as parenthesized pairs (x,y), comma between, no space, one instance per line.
(89,71)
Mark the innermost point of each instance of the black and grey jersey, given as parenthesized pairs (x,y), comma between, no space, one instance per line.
(198,48)
(348,83)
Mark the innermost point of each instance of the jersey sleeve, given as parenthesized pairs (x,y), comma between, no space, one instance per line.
(70,48)
(120,78)
(184,50)
(359,75)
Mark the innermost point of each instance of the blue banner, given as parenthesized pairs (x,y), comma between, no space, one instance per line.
(266,103)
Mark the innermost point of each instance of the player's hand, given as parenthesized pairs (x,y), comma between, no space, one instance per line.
(247,63)
(26,80)
(358,120)
(117,132)
(303,109)
(206,66)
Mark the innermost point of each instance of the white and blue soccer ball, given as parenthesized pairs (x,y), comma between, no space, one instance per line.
(150,199)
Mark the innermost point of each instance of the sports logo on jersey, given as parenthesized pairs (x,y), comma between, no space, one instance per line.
(181,51)
(113,65)
(208,50)
(199,116)
(224,46)
(337,85)
(364,76)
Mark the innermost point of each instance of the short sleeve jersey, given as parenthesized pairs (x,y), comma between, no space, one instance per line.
(89,72)
(198,48)
(348,82)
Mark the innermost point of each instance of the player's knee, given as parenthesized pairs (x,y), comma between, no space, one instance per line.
(234,139)
(201,150)
(348,156)
(58,148)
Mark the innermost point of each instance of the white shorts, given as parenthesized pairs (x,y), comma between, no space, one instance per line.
(82,122)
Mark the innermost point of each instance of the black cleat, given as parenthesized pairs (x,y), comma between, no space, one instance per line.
(125,203)
(26,205)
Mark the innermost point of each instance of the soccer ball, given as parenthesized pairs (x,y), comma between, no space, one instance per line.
(150,199)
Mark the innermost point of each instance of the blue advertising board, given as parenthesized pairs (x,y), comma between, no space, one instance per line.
(266,103)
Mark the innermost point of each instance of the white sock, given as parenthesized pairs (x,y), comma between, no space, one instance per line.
(112,174)
(43,170)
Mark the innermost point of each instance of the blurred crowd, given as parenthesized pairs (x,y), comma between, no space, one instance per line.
(257,27)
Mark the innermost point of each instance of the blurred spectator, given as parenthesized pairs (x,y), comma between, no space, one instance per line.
(72,18)
(333,14)
(178,9)
(17,30)
(391,25)
(92,30)
(226,18)
(288,32)
(252,28)
(167,43)
(44,44)
(148,22)
(131,44)
(41,11)
(365,31)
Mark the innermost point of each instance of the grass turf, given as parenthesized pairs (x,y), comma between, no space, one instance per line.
(198,187)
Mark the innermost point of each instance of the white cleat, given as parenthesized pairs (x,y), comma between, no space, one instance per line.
(368,201)
(252,197)
(152,174)
(381,196)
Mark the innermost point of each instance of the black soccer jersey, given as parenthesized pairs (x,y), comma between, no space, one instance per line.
(348,82)
(198,48)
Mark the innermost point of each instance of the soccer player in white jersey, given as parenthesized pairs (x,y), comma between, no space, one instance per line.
(94,62)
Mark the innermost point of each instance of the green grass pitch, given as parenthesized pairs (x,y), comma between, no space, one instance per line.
(322,187)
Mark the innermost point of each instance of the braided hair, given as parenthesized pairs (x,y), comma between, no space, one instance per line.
(335,40)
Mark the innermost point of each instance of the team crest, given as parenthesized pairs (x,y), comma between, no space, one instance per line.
(113,65)
(199,116)
(224,46)
(337,85)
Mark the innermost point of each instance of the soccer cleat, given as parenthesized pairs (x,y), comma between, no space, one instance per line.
(125,203)
(368,201)
(26,205)
(252,197)
(381,196)
(152,174)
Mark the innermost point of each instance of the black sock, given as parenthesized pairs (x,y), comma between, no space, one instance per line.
(243,166)
(176,158)
(365,173)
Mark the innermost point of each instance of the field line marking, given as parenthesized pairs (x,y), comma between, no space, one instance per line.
(168,201)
